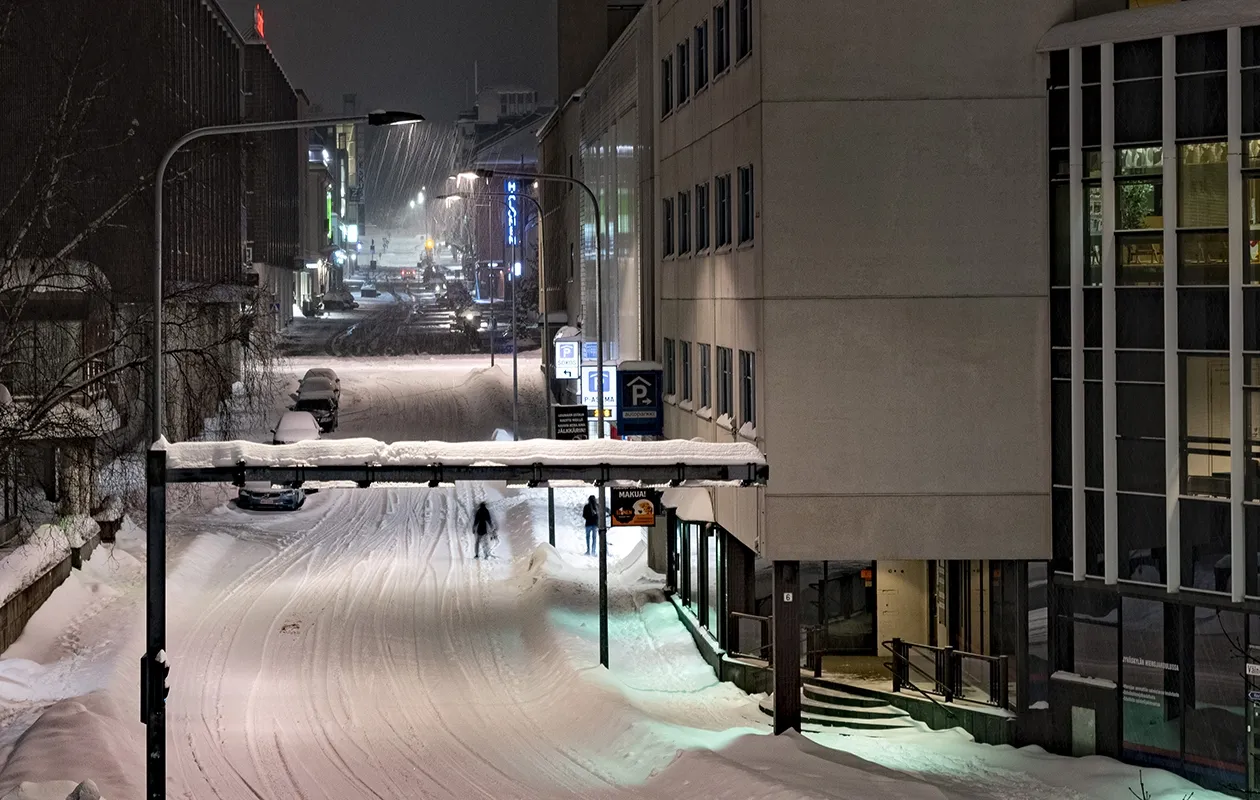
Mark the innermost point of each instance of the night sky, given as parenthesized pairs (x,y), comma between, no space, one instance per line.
(409,54)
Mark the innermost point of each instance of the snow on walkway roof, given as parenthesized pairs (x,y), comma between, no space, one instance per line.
(548,452)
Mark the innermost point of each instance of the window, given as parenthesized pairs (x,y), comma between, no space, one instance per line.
(667,226)
(1201,85)
(721,37)
(1093,208)
(706,397)
(745,204)
(743,28)
(723,209)
(1205,425)
(684,222)
(684,72)
(667,86)
(670,387)
(1138,91)
(1152,706)
(748,388)
(1251,406)
(1203,214)
(1251,207)
(700,42)
(724,399)
(702,216)
(684,363)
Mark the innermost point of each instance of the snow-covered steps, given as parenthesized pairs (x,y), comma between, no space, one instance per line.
(834,708)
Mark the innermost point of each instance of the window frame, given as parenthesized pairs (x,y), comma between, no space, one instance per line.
(668,350)
(743,30)
(703,238)
(700,64)
(683,213)
(725,381)
(667,226)
(667,86)
(705,359)
(682,75)
(747,205)
(721,38)
(722,211)
(748,388)
(684,367)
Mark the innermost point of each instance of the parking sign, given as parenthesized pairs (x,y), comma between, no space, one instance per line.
(568,359)
(640,412)
(591,386)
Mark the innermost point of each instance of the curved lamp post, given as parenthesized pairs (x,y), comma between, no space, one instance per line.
(376,118)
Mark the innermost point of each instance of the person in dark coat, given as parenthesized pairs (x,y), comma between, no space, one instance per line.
(590,515)
(483,526)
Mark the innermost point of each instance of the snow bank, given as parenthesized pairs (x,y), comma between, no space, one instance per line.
(48,545)
(357,452)
(75,739)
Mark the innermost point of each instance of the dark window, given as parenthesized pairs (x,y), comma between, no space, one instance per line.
(700,40)
(1216,725)
(1061,432)
(702,216)
(1205,435)
(1251,413)
(1151,707)
(706,399)
(723,209)
(725,400)
(1091,116)
(1140,437)
(1094,548)
(667,226)
(1093,434)
(748,387)
(1251,522)
(1060,68)
(1061,524)
(1250,47)
(683,75)
(667,86)
(1205,544)
(670,369)
(721,37)
(1203,319)
(1142,59)
(1201,85)
(1139,366)
(1201,52)
(1060,117)
(1138,112)
(1091,64)
(1141,538)
(746,207)
(1060,317)
(684,364)
(743,28)
(1093,317)
(1060,363)
(1140,318)
(684,222)
(1093,365)
(1060,234)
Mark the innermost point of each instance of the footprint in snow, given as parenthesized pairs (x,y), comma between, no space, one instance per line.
(291,627)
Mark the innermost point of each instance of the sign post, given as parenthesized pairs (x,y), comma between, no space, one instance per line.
(640,411)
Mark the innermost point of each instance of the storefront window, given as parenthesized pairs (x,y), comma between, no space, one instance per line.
(693,567)
(714,598)
(1205,425)
(1095,621)
(1205,545)
(1216,727)
(1151,692)
(1038,634)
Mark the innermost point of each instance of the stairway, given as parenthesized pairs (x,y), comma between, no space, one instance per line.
(824,706)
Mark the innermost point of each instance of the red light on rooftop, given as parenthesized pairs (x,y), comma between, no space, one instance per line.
(258,20)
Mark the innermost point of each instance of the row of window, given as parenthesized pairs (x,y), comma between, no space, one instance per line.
(681,73)
(678,364)
(679,213)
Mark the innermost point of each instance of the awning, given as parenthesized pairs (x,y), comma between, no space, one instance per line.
(1151,23)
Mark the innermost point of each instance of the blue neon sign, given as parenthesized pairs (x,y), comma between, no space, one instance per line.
(513,235)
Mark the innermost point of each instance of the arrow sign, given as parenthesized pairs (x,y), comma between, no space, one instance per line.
(640,412)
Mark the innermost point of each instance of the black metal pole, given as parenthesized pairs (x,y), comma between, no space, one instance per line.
(787,648)
(551,514)
(152,694)
(603,577)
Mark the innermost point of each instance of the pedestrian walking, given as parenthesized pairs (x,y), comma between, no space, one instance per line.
(483,527)
(590,515)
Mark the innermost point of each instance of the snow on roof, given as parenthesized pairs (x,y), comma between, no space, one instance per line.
(1149,23)
(692,505)
(357,452)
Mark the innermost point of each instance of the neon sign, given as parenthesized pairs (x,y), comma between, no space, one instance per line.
(513,236)
(258,20)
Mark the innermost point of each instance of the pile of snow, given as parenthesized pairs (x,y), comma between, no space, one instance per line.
(41,551)
(57,790)
(104,746)
(358,452)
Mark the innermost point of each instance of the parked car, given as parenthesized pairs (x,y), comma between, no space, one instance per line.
(318,384)
(369,290)
(264,495)
(295,426)
(339,300)
(320,404)
(323,372)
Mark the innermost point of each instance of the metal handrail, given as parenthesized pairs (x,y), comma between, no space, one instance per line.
(766,651)
(900,678)
(948,679)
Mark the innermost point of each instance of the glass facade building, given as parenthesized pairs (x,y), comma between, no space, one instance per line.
(1152,640)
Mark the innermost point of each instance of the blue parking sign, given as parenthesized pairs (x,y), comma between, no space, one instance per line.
(640,412)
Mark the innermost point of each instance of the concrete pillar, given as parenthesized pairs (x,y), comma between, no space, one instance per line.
(787,647)
(658,545)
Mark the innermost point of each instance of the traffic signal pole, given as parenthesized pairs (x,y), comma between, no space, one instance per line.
(153,667)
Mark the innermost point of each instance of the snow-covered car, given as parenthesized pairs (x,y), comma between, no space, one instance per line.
(295,426)
(369,290)
(319,384)
(322,372)
(266,495)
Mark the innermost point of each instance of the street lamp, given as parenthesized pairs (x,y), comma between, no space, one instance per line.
(599,325)
(374,118)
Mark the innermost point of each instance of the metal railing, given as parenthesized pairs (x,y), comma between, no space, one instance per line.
(952,674)
(765,650)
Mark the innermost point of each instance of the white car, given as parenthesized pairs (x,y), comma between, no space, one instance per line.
(322,372)
(295,426)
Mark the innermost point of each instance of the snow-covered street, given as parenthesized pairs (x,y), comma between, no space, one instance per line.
(355,649)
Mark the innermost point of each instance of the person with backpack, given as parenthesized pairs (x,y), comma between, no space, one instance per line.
(590,515)
(483,527)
